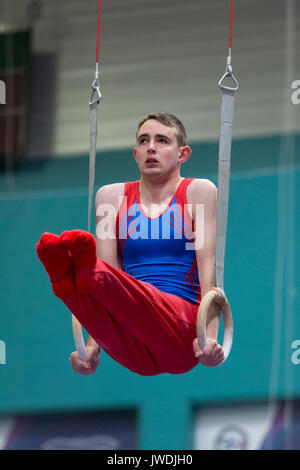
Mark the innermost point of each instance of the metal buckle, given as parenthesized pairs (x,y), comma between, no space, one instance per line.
(95,89)
(229,73)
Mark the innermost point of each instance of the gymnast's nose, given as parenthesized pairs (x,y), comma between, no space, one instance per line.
(151,150)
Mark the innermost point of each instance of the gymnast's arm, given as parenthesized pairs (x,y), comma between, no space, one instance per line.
(202,194)
(106,209)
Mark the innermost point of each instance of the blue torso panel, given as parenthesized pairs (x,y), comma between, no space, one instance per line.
(159,250)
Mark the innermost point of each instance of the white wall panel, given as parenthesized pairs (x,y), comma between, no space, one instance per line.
(164,56)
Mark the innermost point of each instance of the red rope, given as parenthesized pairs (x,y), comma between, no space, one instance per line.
(231,22)
(98,30)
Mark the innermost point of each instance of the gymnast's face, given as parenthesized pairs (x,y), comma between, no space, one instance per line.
(157,150)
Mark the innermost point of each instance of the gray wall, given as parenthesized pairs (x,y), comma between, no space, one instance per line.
(156,56)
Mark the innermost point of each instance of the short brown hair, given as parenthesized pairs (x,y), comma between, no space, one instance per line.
(168,120)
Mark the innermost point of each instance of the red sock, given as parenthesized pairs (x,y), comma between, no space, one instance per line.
(82,246)
(58,264)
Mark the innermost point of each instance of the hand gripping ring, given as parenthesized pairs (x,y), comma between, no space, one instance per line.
(78,338)
(215,295)
(79,341)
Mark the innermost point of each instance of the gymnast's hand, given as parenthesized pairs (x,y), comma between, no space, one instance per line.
(88,366)
(212,355)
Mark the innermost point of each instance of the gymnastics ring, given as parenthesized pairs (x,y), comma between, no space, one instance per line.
(215,295)
(79,341)
(93,105)
(78,338)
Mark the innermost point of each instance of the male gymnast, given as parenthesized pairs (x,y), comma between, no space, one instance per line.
(136,288)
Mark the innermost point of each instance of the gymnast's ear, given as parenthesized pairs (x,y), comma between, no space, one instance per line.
(134,152)
(185,153)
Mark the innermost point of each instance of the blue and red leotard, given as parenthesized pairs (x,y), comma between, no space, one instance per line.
(159,250)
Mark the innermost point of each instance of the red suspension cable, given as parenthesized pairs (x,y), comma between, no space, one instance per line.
(231,23)
(98,31)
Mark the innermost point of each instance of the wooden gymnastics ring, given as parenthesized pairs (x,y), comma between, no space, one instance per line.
(78,339)
(215,295)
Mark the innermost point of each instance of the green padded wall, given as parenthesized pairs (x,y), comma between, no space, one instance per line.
(35,326)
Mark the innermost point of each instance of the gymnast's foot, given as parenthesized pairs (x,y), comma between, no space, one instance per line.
(82,248)
(58,264)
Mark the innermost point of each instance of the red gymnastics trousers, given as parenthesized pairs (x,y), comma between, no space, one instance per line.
(142,328)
